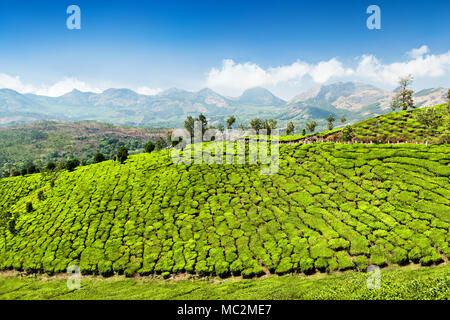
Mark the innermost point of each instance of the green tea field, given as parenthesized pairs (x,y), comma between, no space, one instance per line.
(402,126)
(331,207)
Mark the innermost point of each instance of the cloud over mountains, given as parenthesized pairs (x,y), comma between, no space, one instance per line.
(233,78)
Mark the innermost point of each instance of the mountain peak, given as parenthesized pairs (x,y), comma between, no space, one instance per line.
(260,96)
(119,91)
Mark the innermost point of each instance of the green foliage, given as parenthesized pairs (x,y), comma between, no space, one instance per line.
(403,97)
(159,144)
(330,207)
(122,154)
(230,121)
(428,124)
(290,128)
(311,126)
(99,157)
(149,147)
(45,142)
(347,133)
(29,207)
(430,117)
(72,164)
(330,119)
(256,124)
(51,166)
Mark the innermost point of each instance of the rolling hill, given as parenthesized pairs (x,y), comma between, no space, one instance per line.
(330,207)
(393,127)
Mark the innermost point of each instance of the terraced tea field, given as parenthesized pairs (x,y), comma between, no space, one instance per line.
(393,127)
(330,207)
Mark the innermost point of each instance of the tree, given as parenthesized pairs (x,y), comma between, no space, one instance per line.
(429,117)
(343,119)
(242,127)
(159,143)
(51,166)
(29,207)
(149,147)
(221,127)
(330,119)
(290,128)
(311,126)
(269,125)
(230,121)
(303,132)
(122,154)
(189,126)
(403,98)
(72,164)
(256,124)
(204,122)
(347,133)
(99,157)
(32,169)
(168,137)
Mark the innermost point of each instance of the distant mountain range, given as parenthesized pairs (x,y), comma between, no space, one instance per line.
(355,101)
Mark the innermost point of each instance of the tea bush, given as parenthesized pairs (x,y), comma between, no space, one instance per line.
(330,207)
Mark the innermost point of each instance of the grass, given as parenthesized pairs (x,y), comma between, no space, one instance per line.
(396,283)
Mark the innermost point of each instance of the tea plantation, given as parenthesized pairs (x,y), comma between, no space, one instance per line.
(403,126)
(330,207)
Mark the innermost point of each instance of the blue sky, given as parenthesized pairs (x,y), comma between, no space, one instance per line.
(285,46)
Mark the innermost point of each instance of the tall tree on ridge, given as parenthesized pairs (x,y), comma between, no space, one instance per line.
(403,98)
(230,121)
(330,119)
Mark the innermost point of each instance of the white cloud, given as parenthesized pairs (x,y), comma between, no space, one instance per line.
(64,86)
(57,89)
(423,66)
(61,87)
(247,75)
(14,83)
(418,52)
(148,91)
(233,78)
(325,70)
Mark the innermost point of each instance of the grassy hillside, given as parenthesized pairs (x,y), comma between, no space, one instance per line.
(53,141)
(330,207)
(396,283)
(393,127)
